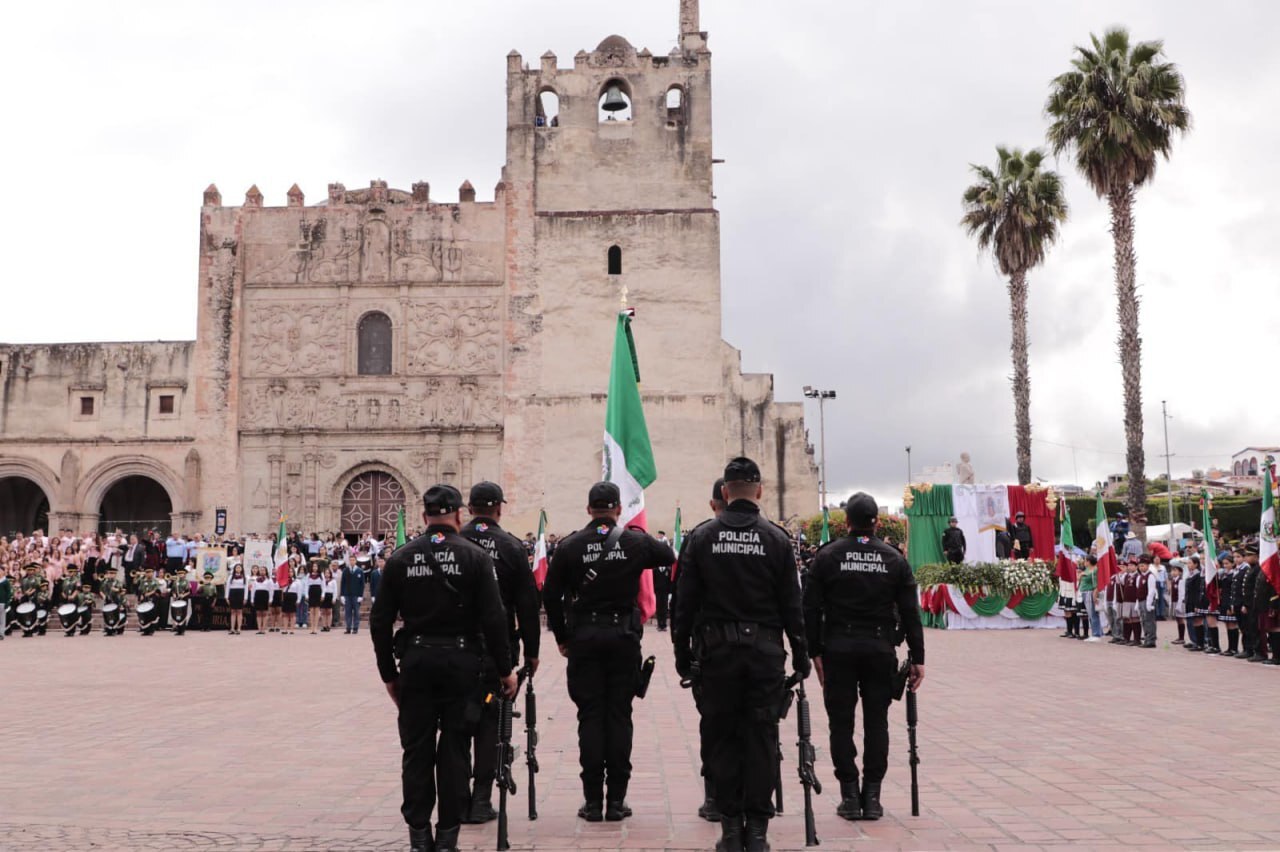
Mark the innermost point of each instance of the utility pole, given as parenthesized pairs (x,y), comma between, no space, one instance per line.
(821,396)
(1168,471)
(908,465)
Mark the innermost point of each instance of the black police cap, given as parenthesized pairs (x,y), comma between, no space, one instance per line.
(604,495)
(862,507)
(716,493)
(485,495)
(442,500)
(741,469)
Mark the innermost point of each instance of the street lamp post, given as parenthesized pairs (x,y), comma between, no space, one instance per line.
(908,465)
(1168,469)
(821,396)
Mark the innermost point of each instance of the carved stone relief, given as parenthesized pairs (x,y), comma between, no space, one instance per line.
(440,403)
(454,336)
(285,340)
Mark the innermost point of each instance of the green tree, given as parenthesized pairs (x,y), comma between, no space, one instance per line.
(1014,211)
(1119,109)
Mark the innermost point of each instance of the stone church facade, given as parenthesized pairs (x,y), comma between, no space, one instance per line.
(352,352)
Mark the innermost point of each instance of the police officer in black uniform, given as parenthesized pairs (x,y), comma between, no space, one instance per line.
(739,591)
(859,590)
(446,591)
(708,810)
(520,599)
(590,595)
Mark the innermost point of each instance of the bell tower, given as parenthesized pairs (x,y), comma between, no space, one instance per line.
(609,196)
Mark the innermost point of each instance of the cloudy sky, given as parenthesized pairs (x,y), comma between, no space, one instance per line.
(847,129)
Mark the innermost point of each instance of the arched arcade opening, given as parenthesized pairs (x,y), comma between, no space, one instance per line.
(134,504)
(24,506)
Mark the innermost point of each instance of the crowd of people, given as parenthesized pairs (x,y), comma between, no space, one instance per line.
(1230,594)
(152,582)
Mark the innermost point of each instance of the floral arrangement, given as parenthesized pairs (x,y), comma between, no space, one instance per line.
(1028,576)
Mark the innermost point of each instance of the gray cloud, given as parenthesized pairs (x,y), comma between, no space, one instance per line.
(847,130)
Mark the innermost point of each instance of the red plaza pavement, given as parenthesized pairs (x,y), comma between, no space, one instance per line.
(210,741)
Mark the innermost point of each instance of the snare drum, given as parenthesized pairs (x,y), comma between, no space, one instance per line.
(147,613)
(67,615)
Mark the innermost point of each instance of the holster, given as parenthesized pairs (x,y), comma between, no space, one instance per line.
(900,677)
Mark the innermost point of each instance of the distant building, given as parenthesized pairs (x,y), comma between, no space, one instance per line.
(1249,461)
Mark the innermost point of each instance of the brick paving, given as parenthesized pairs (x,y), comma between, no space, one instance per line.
(288,743)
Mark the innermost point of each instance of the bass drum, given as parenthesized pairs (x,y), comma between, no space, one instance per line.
(110,613)
(146,614)
(179,611)
(26,613)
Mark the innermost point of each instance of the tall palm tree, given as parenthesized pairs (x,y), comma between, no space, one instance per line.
(1119,108)
(1014,211)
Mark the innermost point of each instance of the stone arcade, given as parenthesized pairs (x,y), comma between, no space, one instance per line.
(352,352)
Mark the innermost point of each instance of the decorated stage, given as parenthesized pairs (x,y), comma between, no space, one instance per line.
(984,592)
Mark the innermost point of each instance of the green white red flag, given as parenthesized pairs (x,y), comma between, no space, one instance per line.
(1268,553)
(540,552)
(628,455)
(825,535)
(1066,545)
(281,558)
(1209,565)
(1104,546)
(400,534)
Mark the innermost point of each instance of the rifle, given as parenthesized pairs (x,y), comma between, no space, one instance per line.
(504,780)
(808,757)
(531,740)
(914,755)
(787,698)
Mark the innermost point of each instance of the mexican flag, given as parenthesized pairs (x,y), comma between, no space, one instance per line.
(825,535)
(282,555)
(1066,544)
(1104,547)
(1268,555)
(1210,556)
(676,541)
(628,455)
(400,536)
(540,552)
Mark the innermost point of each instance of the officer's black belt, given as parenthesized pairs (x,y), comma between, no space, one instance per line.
(741,632)
(461,643)
(611,617)
(863,630)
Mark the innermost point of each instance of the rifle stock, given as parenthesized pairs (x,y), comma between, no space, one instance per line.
(531,741)
(808,757)
(913,753)
(504,780)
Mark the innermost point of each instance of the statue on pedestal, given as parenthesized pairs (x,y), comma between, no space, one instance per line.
(964,471)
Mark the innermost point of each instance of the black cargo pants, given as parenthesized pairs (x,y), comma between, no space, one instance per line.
(854,666)
(439,702)
(603,673)
(741,697)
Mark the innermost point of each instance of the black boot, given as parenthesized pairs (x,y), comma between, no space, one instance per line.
(871,807)
(850,806)
(592,810)
(708,809)
(616,810)
(730,835)
(447,839)
(420,840)
(1212,646)
(1233,640)
(481,808)
(1273,639)
(757,834)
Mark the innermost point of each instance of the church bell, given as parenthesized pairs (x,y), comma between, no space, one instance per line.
(614,100)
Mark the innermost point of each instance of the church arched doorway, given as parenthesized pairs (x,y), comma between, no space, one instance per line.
(135,504)
(370,503)
(23,506)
